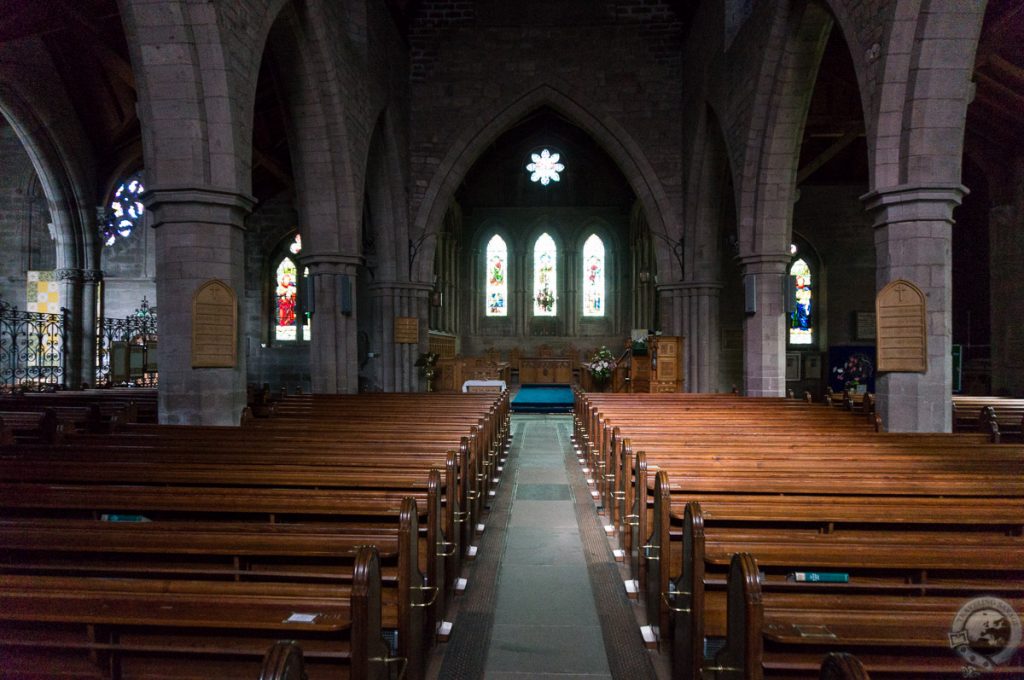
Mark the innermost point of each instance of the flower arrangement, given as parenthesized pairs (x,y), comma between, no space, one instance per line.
(546,299)
(601,364)
(857,371)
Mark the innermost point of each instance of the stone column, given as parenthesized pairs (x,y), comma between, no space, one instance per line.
(69,281)
(764,328)
(1006,271)
(399,299)
(91,280)
(701,330)
(570,303)
(913,236)
(333,353)
(199,236)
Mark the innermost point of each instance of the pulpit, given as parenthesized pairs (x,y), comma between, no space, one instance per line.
(666,373)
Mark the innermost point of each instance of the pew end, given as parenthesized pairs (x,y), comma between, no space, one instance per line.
(842,666)
(283,661)
(740,658)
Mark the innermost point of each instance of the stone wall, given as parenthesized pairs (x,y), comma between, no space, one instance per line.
(25,238)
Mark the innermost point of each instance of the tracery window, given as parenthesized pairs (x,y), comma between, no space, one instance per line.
(124,211)
(290,321)
(545,288)
(545,167)
(801,318)
(593,276)
(497,277)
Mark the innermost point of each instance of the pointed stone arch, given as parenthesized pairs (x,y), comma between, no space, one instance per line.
(63,186)
(610,135)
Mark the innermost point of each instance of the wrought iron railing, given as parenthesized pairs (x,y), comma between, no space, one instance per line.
(126,349)
(32,346)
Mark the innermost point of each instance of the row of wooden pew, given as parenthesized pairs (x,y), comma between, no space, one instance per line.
(1001,415)
(49,417)
(783,530)
(340,522)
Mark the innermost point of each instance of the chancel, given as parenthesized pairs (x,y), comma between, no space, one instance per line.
(474,338)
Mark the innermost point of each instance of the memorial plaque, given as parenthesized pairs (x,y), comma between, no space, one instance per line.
(901,328)
(214,326)
(864,326)
(407,330)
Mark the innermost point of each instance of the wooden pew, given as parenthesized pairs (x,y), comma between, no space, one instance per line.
(900,479)
(41,426)
(292,460)
(878,556)
(182,454)
(766,456)
(86,417)
(1001,415)
(775,633)
(76,491)
(148,628)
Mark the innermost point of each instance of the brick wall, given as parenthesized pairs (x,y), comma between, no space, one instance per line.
(468,68)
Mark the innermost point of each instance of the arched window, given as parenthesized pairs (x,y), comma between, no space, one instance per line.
(124,211)
(801,318)
(290,321)
(545,289)
(497,277)
(593,276)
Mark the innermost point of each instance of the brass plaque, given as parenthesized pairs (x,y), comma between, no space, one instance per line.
(214,326)
(407,330)
(901,328)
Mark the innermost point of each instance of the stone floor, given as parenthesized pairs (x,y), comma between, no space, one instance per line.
(531,609)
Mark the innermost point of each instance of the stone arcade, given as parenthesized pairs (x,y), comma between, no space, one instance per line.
(698,141)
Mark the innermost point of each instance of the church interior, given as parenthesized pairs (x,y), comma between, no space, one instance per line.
(470,338)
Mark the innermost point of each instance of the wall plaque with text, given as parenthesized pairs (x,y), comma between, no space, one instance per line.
(901,328)
(214,326)
(407,330)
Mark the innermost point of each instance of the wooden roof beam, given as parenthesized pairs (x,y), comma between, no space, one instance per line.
(828,154)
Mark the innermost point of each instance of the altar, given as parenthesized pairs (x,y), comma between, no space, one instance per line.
(545,370)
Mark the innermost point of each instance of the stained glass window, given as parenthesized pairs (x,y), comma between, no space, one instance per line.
(287,298)
(124,211)
(545,167)
(593,276)
(289,324)
(801,319)
(545,289)
(497,277)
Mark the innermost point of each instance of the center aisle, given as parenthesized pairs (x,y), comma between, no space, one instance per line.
(545,597)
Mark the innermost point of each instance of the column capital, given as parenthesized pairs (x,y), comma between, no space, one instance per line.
(92,275)
(69,274)
(913,203)
(197,205)
(765,263)
(331,263)
(391,286)
(691,287)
